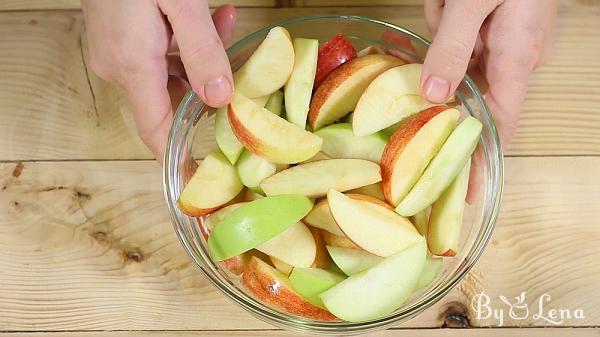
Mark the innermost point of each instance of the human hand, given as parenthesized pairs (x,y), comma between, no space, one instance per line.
(148,47)
(502,40)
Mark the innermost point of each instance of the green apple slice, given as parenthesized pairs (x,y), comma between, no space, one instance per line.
(256,222)
(443,168)
(421,221)
(314,179)
(447,214)
(298,89)
(227,141)
(352,261)
(295,246)
(214,183)
(378,291)
(374,228)
(218,216)
(431,269)
(310,282)
(340,142)
(253,169)
(275,102)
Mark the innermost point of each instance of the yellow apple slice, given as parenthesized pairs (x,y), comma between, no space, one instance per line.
(268,135)
(214,183)
(338,94)
(447,214)
(443,168)
(271,286)
(411,148)
(322,259)
(316,178)
(373,190)
(374,228)
(319,156)
(269,67)
(298,89)
(281,266)
(337,240)
(391,97)
(421,221)
(295,246)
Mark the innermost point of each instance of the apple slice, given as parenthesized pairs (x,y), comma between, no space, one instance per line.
(298,89)
(317,157)
(227,141)
(269,67)
(214,183)
(268,135)
(337,240)
(256,222)
(281,266)
(271,286)
(262,100)
(338,94)
(211,222)
(322,259)
(250,195)
(253,169)
(352,261)
(370,50)
(340,142)
(315,178)
(447,214)
(444,167)
(275,103)
(372,227)
(310,282)
(421,221)
(391,97)
(238,264)
(295,246)
(412,147)
(373,190)
(332,54)
(431,270)
(380,290)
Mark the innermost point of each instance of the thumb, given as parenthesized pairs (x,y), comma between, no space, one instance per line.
(448,56)
(201,50)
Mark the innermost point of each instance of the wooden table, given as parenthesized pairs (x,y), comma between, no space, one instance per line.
(86,246)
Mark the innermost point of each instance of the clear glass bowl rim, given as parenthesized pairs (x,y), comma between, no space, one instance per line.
(291,322)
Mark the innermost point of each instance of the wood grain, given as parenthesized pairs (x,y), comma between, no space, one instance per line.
(20,5)
(88,246)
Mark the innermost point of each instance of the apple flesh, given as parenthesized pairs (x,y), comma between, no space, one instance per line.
(373,190)
(271,286)
(340,91)
(377,291)
(310,282)
(275,103)
(250,195)
(370,50)
(253,169)
(352,261)
(319,156)
(391,97)
(447,214)
(255,223)
(443,168)
(226,139)
(322,259)
(372,227)
(214,183)
(298,89)
(421,221)
(340,142)
(262,100)
(316,178)
(281,266)
(294,246)
(268,135)
(337,240)
(431,269)
(332,54)
(269,67)
(411,148)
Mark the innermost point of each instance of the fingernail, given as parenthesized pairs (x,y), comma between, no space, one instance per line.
(436,89)
(217,91)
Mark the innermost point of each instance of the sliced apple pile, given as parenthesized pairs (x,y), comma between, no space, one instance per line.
(389,172)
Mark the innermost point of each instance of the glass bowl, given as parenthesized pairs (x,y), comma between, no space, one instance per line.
(192,136)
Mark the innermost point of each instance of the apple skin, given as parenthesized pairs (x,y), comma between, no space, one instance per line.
(339,93)
(271,286)
(340,142)
(352,261)
(398,173)
(335,52)
(379,290)
(255,223)
(310,282)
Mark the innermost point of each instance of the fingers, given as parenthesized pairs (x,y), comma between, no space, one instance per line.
(201,50)
(433,14)
(448,57)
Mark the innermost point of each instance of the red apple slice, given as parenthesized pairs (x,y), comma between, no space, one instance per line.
(268,135)
(332,54)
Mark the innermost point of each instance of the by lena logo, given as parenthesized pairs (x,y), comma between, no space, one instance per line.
(519,309)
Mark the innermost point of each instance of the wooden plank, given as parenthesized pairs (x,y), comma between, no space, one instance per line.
(539,332)
(44,89)
(20,5)
(88,246)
